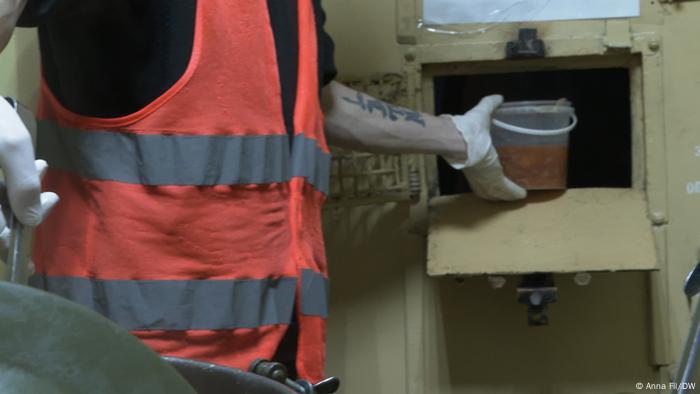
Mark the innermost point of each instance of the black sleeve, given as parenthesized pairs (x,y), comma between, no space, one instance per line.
(35,12)
(326,47)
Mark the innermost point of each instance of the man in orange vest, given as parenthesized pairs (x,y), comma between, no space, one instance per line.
(187,140)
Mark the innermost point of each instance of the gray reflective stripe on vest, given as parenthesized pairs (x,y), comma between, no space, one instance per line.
(183,160)
(180,304)
(314,294)
(311,162)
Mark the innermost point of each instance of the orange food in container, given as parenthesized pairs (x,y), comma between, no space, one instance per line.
(532,141)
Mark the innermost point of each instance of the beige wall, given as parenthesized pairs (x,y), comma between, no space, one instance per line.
(366,346)
(682,87)
(19,67)
(364,35)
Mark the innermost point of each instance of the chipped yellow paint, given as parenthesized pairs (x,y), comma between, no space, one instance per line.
(580,230)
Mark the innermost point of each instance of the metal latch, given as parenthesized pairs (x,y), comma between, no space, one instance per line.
(537,291)
(527,46)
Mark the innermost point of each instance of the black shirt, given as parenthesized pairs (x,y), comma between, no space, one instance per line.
(110,58)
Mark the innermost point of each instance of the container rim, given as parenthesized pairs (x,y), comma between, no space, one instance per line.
(535,109)
(523,130)
(557,103)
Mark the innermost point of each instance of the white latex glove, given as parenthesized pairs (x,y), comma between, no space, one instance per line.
(22,173)
(482,168)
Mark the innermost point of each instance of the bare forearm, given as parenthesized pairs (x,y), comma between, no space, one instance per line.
(361,122)
(10,10)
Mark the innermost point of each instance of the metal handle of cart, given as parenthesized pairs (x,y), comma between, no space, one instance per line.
(687,373)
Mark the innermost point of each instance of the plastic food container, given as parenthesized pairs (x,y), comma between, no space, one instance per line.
(532,141)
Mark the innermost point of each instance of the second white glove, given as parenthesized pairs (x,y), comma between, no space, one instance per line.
(22,173)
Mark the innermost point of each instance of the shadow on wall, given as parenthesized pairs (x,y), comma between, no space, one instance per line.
(366,332)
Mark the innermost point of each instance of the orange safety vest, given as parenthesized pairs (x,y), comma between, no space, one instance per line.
(195,222)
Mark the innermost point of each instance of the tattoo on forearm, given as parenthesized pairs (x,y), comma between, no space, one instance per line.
(371,105)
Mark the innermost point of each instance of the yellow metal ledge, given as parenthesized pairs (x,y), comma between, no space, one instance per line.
(573,231)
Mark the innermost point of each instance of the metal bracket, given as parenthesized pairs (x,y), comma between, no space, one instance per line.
(617,34)
(537,291)
(527,46)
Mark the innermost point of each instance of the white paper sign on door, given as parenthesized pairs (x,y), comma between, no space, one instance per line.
(439,12)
